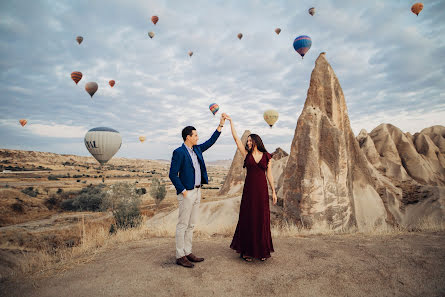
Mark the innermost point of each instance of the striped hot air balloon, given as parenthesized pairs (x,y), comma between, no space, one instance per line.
(417,8)
(23,122)
(302,44)
(91,87)
(112,82)
(103,143)
(214,108)
(76,76)
(154,19)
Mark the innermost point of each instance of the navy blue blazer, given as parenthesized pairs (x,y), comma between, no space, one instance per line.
(182,164)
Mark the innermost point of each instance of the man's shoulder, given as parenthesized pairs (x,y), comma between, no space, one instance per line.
(178,150)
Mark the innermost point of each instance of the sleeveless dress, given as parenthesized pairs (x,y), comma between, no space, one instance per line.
(252,235)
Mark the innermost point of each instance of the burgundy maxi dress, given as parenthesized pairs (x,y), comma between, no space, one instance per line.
(252,236)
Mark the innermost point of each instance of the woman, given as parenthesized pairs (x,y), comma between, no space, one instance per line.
(252,238)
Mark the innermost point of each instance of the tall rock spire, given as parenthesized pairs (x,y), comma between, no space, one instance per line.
(327,179)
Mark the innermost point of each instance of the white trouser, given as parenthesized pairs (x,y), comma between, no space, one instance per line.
(188,216)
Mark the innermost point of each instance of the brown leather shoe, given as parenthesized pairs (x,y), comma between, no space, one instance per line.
(193,258)
(184,262)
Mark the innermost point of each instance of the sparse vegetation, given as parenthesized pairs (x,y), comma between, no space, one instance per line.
(157,191)
(17,207)
(89,198)
(30,192)
(52,177)
(124,201)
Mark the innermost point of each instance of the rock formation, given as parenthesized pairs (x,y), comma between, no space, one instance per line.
(327,179)
(407,157)
(279,153)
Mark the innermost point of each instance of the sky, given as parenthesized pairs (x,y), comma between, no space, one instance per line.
(390,64)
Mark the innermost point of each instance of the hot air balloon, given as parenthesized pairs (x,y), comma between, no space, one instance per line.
(103,143)
(23,122)
(151,34)
(142,138)
(311,11)
(154,19)
(240,36)
(302,44)
(270,116)
(76,76)
(190,53)
(91,87)
(417,8)
(277,30)
(214,108)
(112,82)
(79,39)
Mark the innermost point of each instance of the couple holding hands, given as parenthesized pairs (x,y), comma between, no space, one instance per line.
(252,238)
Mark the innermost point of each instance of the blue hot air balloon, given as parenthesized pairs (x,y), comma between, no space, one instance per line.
(302,44)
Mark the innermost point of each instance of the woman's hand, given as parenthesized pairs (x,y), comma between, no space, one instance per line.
(274,198)
(226,116)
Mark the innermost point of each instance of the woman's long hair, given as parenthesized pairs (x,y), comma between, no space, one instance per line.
(256,141)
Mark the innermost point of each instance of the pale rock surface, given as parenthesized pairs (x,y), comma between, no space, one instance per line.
(327,179)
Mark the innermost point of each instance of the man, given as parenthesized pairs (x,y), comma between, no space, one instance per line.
(188,162)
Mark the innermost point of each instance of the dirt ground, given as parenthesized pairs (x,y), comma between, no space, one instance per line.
(410,264)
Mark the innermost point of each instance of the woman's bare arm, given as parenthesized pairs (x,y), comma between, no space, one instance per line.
(238,141)
(271,181)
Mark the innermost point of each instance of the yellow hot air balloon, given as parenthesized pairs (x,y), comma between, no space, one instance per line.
(142,138)
(417,8)
(270,116)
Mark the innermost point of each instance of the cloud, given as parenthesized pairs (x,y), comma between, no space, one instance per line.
(57,130)
(390,63)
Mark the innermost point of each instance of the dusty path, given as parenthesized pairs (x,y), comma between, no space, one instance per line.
(340,265)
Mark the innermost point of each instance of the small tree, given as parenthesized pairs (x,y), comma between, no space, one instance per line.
(157,191)
(124,202)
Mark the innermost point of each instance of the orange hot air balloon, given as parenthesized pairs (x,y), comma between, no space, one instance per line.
(79,39)
(240,36)
(23,122)
(277,30)
(91,87)
(154,19)
(417,8)
(76,76)
(112,82)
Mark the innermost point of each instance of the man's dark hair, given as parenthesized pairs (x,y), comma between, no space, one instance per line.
(187,131)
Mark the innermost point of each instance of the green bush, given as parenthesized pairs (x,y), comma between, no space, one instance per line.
(124,202)
(30,192)
(157,191)
(51,202)
(89,198)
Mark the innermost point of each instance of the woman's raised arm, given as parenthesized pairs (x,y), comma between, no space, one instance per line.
(238,141)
